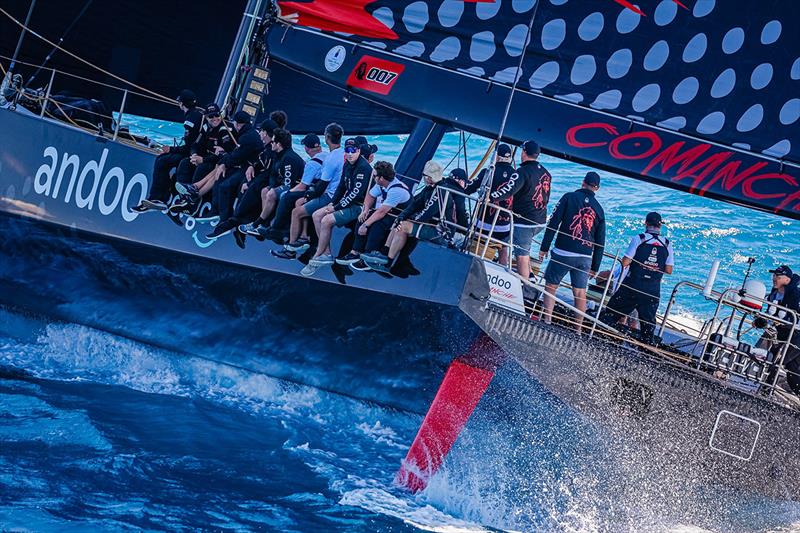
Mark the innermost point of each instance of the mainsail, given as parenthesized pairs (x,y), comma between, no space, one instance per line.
(699,95)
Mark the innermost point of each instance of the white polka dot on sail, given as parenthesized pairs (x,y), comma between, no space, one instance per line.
(657,56)
(711,123)
(686,90)
(553,33)
(751,118)
(733,40)
(646,97)
(619,63)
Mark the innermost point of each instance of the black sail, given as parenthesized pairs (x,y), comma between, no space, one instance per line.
(700,96)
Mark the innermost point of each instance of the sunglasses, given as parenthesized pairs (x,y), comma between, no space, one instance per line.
(214,115)
(350,150)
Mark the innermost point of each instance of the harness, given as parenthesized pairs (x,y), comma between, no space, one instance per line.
(385,193)
(649,260)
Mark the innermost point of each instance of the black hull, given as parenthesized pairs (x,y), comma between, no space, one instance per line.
(357,333)
(661,417)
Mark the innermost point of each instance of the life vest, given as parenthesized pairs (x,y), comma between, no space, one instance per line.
(385,193)
(649,261)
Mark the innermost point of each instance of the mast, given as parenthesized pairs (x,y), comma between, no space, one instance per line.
(252,14)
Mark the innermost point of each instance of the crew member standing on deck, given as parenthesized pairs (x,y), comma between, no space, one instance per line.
(171,156)
(648,257)
(786,291)
(578,225)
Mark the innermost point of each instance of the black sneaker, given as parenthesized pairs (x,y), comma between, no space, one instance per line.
(239,238)
(157,205)
(349,259)
(141,208)
(221,229)
(361,266)
(283,254)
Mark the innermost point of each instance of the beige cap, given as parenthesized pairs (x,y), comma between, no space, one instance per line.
(433,170)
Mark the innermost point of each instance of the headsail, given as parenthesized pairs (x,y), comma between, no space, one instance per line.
(699,95)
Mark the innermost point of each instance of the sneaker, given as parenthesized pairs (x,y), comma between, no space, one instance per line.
(239,238)
(186,189)
(141,208)
(283,254)
(308,270)
(322,260)
(349,259)
(183,204)
(248,229)
(379,267)
(375,258)
(154,204)
(221,229)
(299,246)
(361,266)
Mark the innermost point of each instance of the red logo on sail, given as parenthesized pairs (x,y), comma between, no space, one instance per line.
(375,75)
(346,16)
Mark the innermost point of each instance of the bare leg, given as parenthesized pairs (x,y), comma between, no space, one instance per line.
(549,302)
(524,266)
(298,214)
(304,231)
(325,229)
(503,259)
(580,304)
(268,203)
(206,184)
(398,239)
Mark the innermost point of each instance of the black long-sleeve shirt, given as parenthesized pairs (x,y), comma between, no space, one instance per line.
(192,121)
(352,187)
(211,138)
(247,152)
(529,189)
(578,225)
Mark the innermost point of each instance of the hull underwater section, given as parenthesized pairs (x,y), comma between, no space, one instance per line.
(68,196)
(667,425)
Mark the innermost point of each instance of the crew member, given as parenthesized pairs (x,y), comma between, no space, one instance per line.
(344,208)
(456,181)
(786,291)
(285,171)
(215,140)
(529,190)
(493,225)
(232,169)
(578,225)
(374,226)
(649,256)
(286,200)
(319,194)
(170,157)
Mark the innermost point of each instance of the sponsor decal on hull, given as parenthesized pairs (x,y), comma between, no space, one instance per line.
(89,185)
(375,75)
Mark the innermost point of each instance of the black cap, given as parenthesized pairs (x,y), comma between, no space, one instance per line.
(653,219)
(187,98)
(310,141)
(351,143)
(268,125)
(458,174)
(212,109)
(503,150)
(241,117)
(782,270)
(531,148)
(592,178)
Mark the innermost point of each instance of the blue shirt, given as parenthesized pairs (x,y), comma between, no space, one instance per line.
(332,170)
(313,169)
(396,193)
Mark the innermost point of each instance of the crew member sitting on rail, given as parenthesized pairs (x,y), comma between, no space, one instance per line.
(388,193)
(578,225)
(648,257)
(286,201)
(319,194)
(343,209)
(170,158)
(215,140)
(284,173)
(231,170)
(493,226)
(787,283)
(420,217)
(529,190)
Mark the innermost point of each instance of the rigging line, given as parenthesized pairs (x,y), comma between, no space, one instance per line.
(107,73)
(60,40)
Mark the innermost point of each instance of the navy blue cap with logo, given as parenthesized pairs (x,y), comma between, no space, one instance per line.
(531,148)
(653,219)
(782,270)
(351,145)
(592,179)
(241,117)
(459,174)
(310,141)
(187,98)
(503,150)
(212,110)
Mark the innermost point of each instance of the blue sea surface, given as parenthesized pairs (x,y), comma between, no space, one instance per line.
(99,432)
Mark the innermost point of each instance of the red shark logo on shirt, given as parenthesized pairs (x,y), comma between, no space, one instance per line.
(583,222)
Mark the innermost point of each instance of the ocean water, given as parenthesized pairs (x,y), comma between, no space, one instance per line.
(99,432)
